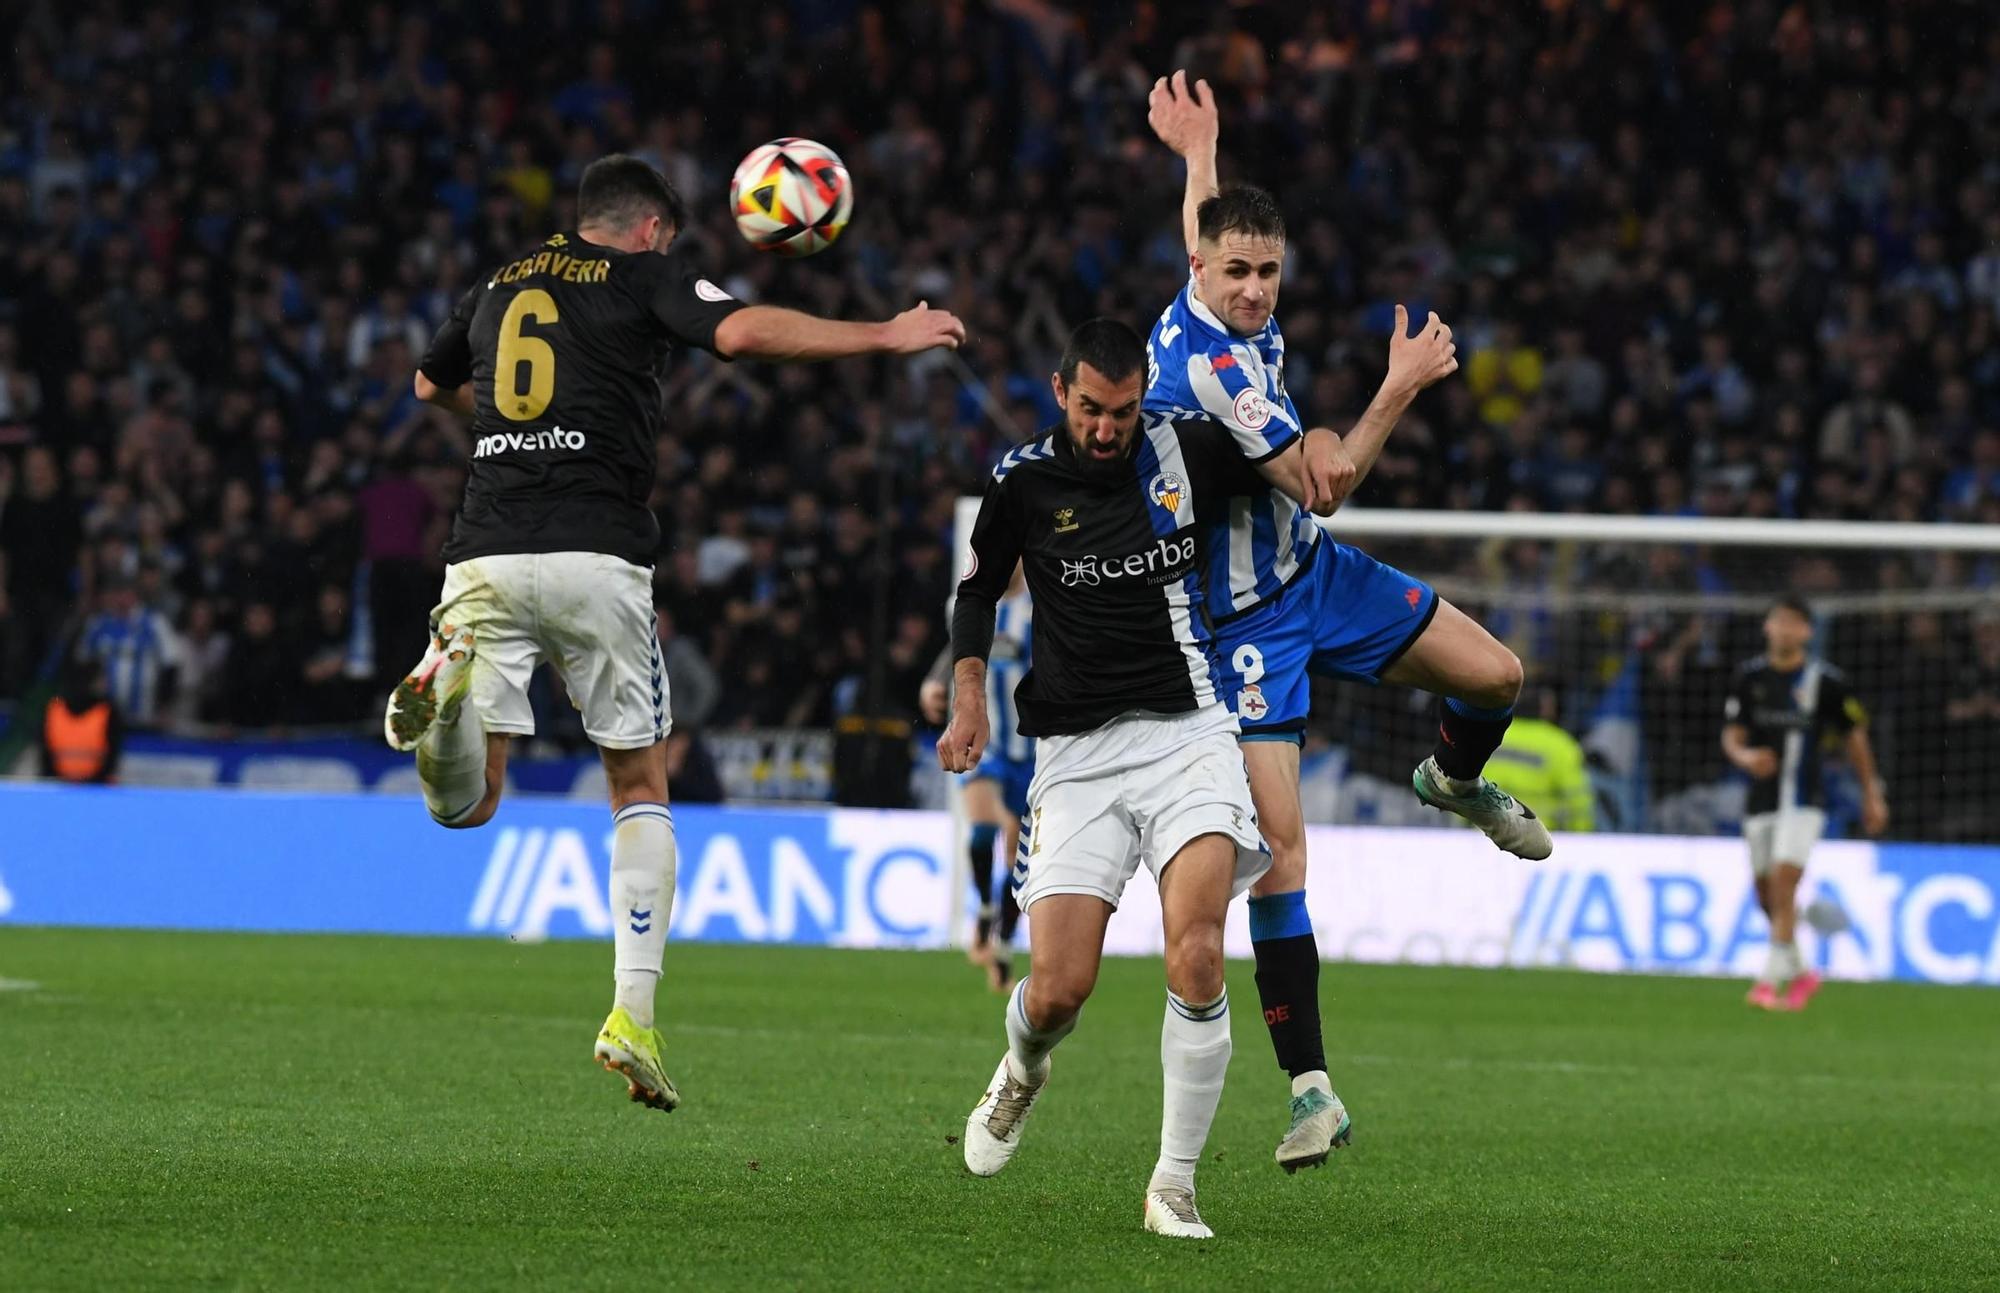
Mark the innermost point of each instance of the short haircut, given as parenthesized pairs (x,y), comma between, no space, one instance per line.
(1240,207)
(1107,345)
(618,191)
(1794,603)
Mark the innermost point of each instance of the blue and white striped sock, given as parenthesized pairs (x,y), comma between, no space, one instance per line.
(642,902)
(1194,1057)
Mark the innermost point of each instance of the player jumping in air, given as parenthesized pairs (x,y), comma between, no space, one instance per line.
(1136,757)
(1287,602)
(1780,708)
(556,357)
(996,792)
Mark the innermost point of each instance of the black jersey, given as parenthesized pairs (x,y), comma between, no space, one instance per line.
(1790,712)
(565,348)
(1113,567)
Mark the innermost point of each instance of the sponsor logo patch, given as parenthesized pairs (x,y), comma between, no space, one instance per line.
(708,291)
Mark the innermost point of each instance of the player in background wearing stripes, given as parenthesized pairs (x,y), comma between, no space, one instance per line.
(996,792)
(557,358)
(1781,708)
(1286,602)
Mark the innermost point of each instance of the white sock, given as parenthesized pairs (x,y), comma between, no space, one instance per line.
(1793,964)
(1317,1079)
(1777,964)
(643,860)
(1194,1056)
(1028,1047)
(451,763)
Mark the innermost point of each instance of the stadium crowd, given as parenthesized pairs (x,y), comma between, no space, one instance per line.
(1728,259)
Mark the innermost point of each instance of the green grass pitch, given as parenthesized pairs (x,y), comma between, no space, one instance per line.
(220,1111)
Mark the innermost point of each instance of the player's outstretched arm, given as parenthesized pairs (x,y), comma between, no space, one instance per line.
(1188,123)
(772,332)
(1414,363)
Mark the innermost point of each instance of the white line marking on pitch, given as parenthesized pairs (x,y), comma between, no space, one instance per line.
(19,985)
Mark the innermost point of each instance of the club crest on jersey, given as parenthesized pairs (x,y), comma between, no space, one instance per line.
(1065,520)
(1167,490)
(1252,410)
(1250,703)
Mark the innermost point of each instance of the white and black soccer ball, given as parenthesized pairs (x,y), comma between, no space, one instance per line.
(791,196)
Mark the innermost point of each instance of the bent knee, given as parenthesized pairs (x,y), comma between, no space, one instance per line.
(1499,680)
(1052,1000)
(1194,962)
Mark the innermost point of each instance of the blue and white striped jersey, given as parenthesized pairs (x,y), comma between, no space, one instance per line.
(1197,368)
(1013,625)
(135,651)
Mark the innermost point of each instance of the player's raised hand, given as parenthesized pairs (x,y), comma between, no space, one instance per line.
(964,742)
(1330,473)
(1422,360)
(920,329)
(1185,121)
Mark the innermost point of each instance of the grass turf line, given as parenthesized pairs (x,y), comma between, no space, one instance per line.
(246,1111)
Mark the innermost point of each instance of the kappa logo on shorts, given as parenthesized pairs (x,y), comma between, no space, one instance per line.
(1415,596)
(1252,410)
(1167,490)
(1250,703)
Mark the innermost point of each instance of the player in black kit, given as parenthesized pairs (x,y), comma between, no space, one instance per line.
(557,357)
(1780,710)
(1136,760)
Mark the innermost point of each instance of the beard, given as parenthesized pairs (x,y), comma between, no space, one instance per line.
(1103,469)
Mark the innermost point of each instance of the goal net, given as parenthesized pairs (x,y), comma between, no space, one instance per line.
(1630,629)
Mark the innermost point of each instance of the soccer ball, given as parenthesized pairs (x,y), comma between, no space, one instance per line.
(791,196)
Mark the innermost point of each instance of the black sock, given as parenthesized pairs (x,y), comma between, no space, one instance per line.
(1010,916)
(981,849)
(1467,737)
(1288,980)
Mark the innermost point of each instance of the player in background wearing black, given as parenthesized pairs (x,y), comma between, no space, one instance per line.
(557,358)
(1136,759)
(1781,708)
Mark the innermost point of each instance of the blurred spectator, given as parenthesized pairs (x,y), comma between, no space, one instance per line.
(138,649)
(691,683)
(1541,764)
(82,736)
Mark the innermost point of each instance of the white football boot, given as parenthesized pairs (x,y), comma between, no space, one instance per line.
(433,691)
(1170,1211)
(993,1132)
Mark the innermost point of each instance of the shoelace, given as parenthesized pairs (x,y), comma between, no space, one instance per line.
(1009,1107)
(1180,1203)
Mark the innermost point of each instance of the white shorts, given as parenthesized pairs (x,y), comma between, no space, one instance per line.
(1140,788)
(588,614)
(1785,836)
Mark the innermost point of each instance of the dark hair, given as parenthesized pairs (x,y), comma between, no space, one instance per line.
(1794,603)
(619,190)
(1107,345)
(1244,207)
